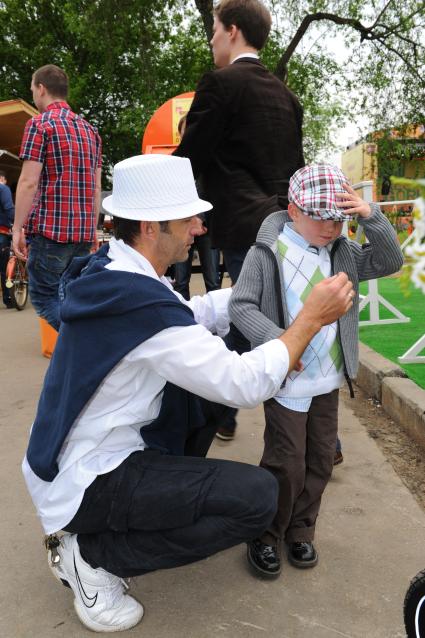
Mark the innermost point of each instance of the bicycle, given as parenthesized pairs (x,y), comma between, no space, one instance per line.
(17,281)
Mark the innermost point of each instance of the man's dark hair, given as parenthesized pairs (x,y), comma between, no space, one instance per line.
(129,229)
(164,227)
(250,16)
(2,174)
(53,78)
(126,229)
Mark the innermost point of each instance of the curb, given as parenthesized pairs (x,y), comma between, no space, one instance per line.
(401,398)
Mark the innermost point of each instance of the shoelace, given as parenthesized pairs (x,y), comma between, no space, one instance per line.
(118,587)
(269,550)
(126,583)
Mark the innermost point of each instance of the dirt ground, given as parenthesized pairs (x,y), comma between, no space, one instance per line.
(406,457)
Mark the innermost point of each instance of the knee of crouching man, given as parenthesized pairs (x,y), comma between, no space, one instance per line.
(264,497)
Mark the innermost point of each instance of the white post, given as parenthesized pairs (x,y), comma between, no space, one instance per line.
(412,354)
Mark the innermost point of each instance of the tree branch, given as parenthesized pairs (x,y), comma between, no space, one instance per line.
(381,14)
(376,31)
(205,8)
(282,66)
(413,70)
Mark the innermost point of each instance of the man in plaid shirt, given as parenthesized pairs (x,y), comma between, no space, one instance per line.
(58,193)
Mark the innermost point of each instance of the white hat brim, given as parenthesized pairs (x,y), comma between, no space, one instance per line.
(162,214)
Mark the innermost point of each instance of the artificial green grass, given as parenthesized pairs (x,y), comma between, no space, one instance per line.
(392,340)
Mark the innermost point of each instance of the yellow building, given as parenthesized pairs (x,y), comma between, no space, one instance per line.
(404,157)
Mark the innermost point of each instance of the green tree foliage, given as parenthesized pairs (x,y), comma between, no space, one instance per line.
(125,59)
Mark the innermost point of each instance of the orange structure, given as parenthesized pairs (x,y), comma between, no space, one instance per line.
(48,338)
(161,134)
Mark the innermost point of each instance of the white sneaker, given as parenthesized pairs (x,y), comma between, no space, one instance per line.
(100,599)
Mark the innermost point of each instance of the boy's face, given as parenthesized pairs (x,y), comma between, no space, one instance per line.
(316,232)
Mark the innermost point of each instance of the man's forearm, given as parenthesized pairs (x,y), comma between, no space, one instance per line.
(25,194)
(97,196)
(298,336)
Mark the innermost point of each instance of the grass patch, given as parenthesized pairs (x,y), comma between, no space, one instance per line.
(392,340)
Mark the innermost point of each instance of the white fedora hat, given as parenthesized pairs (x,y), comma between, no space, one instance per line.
(154,188)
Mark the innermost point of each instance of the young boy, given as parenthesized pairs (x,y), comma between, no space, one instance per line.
(294,250)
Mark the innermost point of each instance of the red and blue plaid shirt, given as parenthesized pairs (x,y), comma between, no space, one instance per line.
(70,150)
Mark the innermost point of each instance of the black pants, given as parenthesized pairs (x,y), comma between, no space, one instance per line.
(4,258)
(156,511)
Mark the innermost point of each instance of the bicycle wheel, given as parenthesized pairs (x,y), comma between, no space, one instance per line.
(19,290)
(414,607)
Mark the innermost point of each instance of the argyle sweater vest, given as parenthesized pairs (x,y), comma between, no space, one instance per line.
(322,359)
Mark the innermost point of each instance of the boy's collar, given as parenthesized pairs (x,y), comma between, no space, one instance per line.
(298,239)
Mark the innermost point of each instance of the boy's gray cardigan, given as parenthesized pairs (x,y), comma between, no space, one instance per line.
(256,303)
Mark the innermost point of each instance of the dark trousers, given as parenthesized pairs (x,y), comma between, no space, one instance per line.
(157,511)
(299,449)
(4,258)
(47,261)
(233,261)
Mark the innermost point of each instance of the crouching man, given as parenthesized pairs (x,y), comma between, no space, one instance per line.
(112,453)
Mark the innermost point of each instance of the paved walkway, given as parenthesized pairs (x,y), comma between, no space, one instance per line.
(370,538)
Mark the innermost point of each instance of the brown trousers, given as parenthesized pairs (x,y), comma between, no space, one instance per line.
(299,449)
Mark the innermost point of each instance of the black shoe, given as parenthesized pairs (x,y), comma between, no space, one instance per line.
(8,304)
(302,555)
(263,558)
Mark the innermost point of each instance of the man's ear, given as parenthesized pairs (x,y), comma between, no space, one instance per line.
(149,229)
(233,32)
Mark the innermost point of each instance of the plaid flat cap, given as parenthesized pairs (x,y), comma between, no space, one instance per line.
(312,189)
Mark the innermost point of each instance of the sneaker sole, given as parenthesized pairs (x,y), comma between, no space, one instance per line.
(258,570)
(94,626)
(224,437)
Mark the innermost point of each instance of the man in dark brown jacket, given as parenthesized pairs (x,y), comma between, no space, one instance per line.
(243,133)
(243,137)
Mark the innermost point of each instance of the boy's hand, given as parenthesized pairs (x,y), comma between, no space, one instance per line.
(352,203)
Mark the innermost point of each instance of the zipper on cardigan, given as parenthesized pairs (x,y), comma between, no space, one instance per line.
(347,378)
(278,290)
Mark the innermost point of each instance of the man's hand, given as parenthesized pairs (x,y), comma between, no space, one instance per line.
(352,203)
(19,243)
(329,300)
(95,244)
